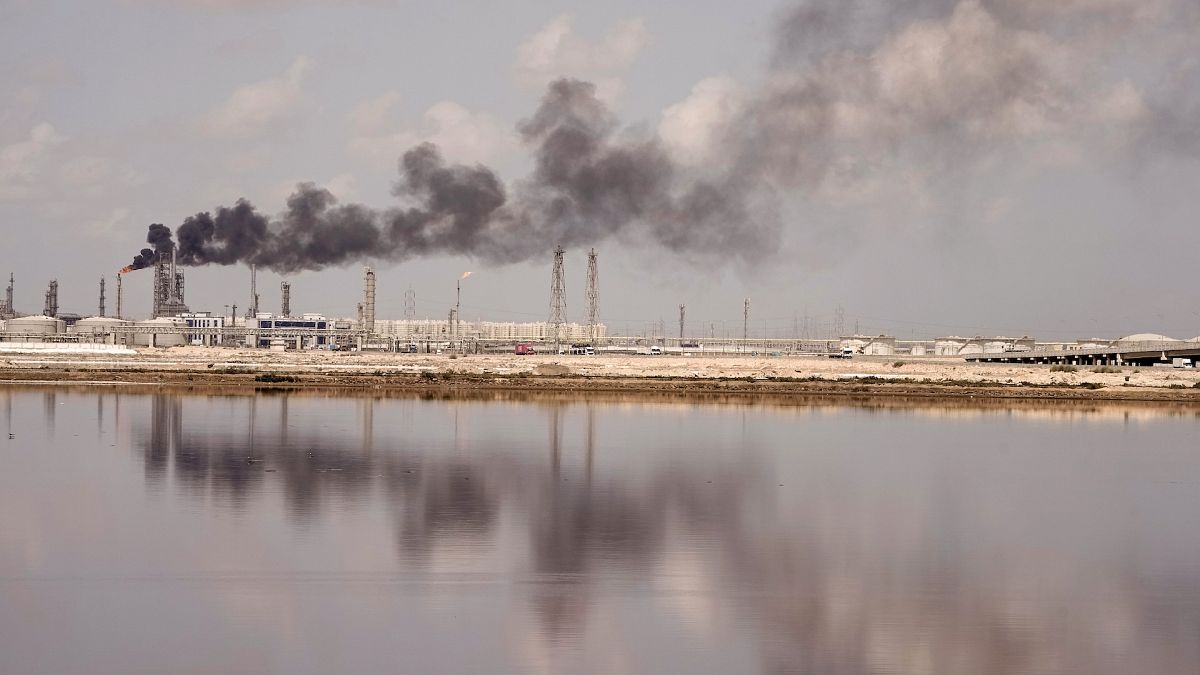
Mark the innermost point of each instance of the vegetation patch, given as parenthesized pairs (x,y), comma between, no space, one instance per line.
(1063,368)
(274,378)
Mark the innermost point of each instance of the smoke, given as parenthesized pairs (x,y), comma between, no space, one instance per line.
(859,92)
(589,184)
(159,238)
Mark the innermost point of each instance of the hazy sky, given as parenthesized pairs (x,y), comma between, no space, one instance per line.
(933,166)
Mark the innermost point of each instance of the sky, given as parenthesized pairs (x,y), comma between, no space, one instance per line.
(932,167)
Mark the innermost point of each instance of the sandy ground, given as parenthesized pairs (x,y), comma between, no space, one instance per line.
(929,376)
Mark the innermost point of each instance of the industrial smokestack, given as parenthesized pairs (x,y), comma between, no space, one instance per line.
(120,297)
(101,297)
(252,309)
(286,304)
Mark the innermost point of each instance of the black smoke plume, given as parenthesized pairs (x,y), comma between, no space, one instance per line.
(159,238)
(588,185)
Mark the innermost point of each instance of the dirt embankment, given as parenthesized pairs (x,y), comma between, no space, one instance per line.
(809,376)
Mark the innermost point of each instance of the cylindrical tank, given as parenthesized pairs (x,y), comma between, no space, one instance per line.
(172,335)
(101,327)
(34,326)
(995,347)
(947,347)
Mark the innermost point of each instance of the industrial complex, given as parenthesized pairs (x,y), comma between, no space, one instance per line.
(173,323)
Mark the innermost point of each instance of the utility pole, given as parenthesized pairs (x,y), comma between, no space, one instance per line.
(101,297)
(682,312)
(558,296)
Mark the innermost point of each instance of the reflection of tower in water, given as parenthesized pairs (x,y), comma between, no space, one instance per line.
(50,407)
(166,428)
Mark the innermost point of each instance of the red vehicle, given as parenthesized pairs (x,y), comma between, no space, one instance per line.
(524,349)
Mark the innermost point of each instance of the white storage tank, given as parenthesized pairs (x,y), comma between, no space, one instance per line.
(948,346)
(173,334)
(35,325)
(102,326)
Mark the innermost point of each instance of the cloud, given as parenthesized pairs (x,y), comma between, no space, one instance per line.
(690,128)
(22,163)
(116,222)
(259,106)
(938,92)
(557,51)
(463,135)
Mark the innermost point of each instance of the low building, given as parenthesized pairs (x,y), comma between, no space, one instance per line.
(307,322)
(203,320)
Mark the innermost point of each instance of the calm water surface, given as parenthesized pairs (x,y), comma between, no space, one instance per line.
(303,534)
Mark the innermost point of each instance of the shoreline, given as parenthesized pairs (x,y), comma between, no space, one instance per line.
(464,383)
(806,376)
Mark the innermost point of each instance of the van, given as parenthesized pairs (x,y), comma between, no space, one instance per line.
(656,351)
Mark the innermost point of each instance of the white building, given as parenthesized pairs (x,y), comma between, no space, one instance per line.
(442,329)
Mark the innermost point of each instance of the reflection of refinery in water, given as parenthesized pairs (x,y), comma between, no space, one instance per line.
(560,504)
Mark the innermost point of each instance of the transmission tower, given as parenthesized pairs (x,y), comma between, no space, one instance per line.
(410,304)
(839,322)
(368,316)
(746,320)
(593,296)
(558,296)
(682,312)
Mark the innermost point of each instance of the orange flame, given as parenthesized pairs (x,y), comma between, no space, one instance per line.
(126,269)
(465,275)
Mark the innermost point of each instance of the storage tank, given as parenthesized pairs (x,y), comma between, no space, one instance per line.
(34,326)
(173,334)
(947,347)
(102,326)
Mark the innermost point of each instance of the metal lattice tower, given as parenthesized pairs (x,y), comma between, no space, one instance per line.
(410,304)
(101,297)
(839,322)
(746,320)
(52,299)
(682,312)
(368,300)
(558,296)
(593,296)
(285,289)
(168,288)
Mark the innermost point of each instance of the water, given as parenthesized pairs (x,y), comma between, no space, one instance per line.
(308,534)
